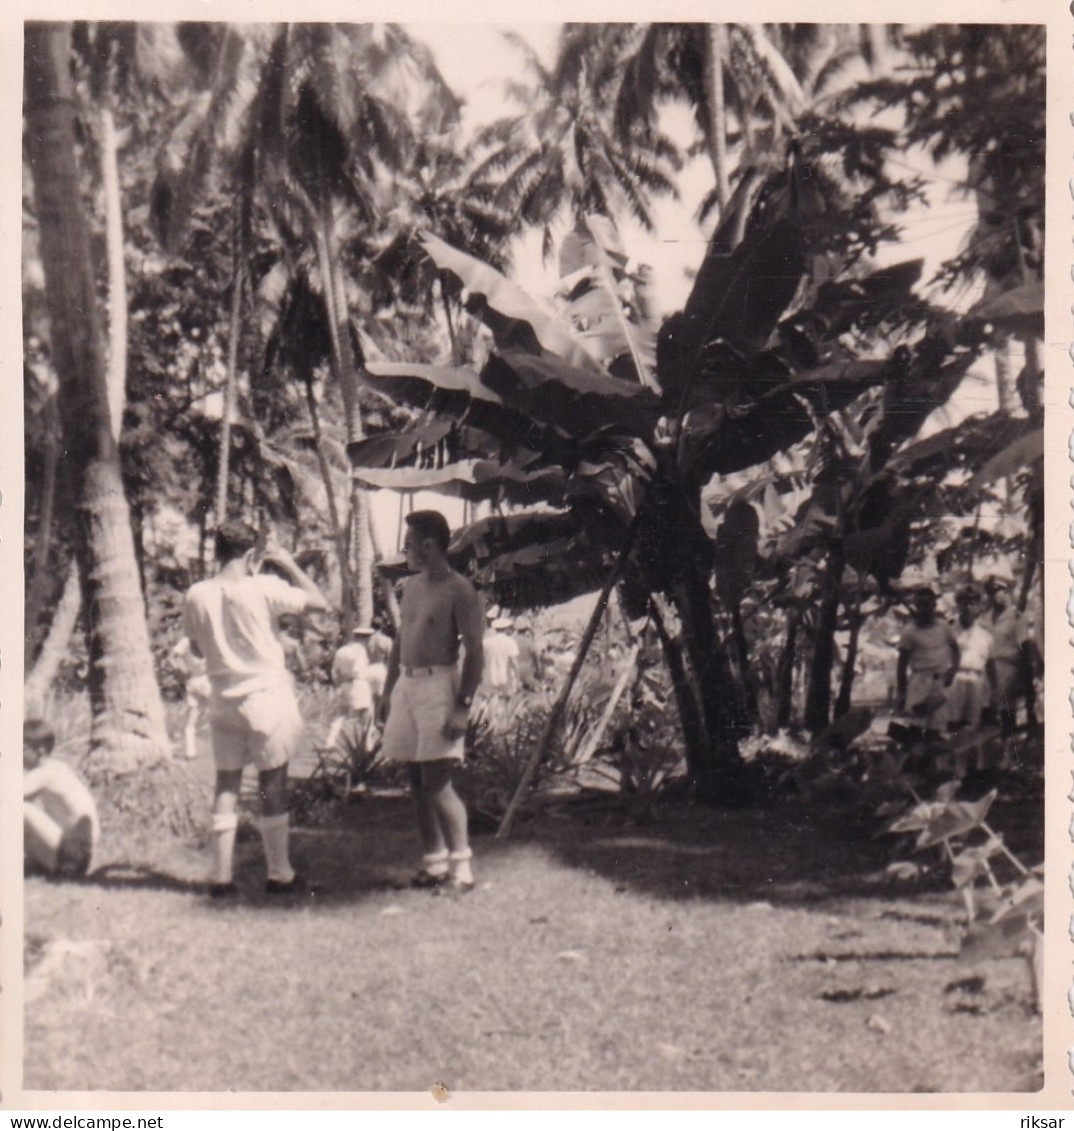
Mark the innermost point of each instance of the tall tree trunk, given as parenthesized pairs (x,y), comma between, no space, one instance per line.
(54,649)
(339,535)
(117,272)
(345,366)
(230,381)
(819,694)
(36,596)
(717,110)
(128,715)
(846,683)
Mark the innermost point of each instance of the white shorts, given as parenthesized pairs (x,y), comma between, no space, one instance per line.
(264,728)
(419,708)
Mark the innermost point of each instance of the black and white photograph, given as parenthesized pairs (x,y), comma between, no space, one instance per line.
(533,560)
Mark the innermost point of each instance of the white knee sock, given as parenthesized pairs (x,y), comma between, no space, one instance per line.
(274,834)
(225,825)
(460,866)
(435,863)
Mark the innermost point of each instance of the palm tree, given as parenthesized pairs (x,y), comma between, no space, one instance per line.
(128,717)
(718,69)
(326,114)
(561,154)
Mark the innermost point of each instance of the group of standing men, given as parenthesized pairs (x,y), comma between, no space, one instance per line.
(424,703)
(953,677)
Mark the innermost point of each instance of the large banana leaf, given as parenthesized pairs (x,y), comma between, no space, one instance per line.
(741,438)
(575,403)
(474,480)
(881,296)
(1019,310)
(510,302)
(457,393)
(739,296)
(593,259)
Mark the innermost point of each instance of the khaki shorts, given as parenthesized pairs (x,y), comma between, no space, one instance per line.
(264,728)
(420,706)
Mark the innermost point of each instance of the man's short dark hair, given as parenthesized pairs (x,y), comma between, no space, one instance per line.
(432,525)
(234,539)
(38,735)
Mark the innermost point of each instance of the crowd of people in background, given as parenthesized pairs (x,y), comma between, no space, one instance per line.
(979,671)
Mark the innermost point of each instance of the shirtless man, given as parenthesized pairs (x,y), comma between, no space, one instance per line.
(427,698)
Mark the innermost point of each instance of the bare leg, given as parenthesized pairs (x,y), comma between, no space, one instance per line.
(275,833)
(433,843)
(42,836)
(444,804)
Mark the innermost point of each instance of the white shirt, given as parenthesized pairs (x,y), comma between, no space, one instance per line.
(975,647)
(232,623)
(501,659)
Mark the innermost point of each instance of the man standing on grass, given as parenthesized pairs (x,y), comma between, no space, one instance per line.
(232,621)
(427,698)
(928,660)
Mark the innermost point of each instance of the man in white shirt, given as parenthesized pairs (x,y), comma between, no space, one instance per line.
(354,687)
(232,622)
(501,659)
(969,693)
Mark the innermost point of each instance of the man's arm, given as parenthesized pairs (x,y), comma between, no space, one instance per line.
(900,677)
(470,620)
(283,560)
(956,657)
(391,675)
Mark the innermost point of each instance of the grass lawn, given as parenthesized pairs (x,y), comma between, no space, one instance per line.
(706,950)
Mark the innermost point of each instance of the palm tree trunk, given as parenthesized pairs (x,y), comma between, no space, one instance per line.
(717,110)
(339,535)
(234,331)
(117,272)
(54,649)
(36,595)
(346,370)
(128,716)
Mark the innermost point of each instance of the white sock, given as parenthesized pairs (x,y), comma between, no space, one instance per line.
(435,863)
(460,866)
(225,826)
(274,834)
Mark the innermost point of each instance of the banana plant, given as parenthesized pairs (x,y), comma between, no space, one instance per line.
(637,419)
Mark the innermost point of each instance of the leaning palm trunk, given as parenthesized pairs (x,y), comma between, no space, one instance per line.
(717,111)
(36,595)
(55,648)
(128,716)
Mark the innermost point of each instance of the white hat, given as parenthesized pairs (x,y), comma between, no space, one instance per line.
(501,622)
(362,630)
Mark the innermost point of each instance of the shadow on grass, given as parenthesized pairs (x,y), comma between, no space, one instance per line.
(135,876)
(788,854)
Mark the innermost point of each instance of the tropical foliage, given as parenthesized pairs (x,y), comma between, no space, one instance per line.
(316,258)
